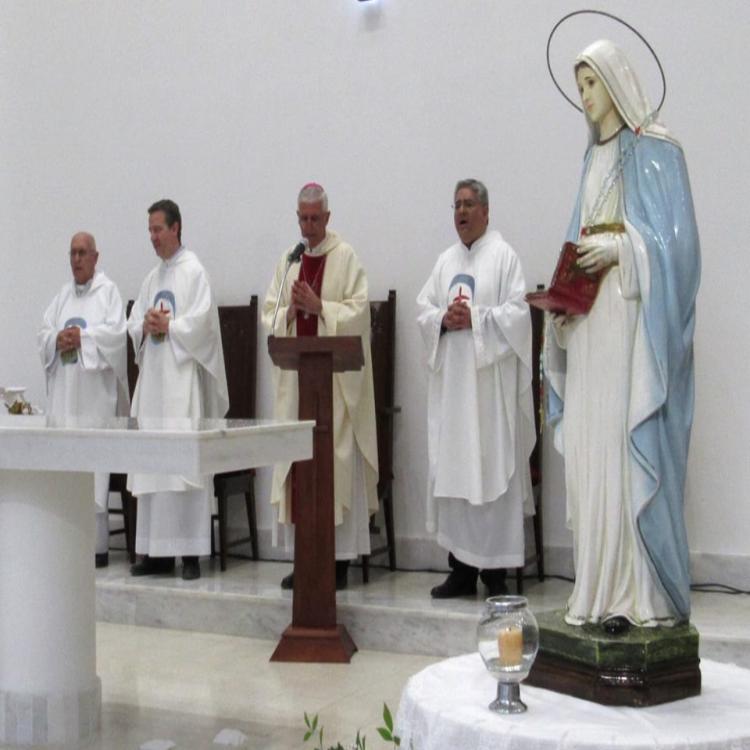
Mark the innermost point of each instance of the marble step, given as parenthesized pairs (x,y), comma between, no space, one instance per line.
(393,612)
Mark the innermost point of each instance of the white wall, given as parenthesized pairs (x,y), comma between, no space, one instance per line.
(228,107)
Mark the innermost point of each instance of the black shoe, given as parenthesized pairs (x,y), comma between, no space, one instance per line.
(191,568)
(152,566)
(287,582)
(494,580)
(458,583)
(101,559)
(342,567)
(497,589)
(616,625)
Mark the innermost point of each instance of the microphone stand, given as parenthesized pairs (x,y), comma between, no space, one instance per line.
(294,257)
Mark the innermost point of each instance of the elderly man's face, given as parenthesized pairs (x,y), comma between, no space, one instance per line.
(83,257)
(469,216)
(313,221)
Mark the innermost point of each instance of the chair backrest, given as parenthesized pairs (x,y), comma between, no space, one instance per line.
(537,341)
(132,367)
(383,348)
(239,337)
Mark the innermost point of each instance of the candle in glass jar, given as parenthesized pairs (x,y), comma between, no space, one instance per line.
(510,646)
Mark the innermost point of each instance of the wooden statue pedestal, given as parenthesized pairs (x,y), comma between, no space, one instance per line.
(643,667)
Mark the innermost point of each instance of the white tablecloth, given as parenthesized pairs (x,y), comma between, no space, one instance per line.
(444,707)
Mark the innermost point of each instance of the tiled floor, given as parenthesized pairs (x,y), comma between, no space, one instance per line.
(182,683)
(187,687)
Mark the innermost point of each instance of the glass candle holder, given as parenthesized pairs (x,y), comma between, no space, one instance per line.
(508,639)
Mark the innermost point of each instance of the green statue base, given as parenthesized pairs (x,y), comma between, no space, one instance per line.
(642,667)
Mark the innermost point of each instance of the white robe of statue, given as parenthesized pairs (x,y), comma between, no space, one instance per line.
(346,312)
(612,577)
(92,381)
(181,377)
(480,405)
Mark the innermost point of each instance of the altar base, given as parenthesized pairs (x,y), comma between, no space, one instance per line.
(49,691)
(643,667)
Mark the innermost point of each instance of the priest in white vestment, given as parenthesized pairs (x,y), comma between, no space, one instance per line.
(174,325)
(326,295)
(476,329)
(83,347)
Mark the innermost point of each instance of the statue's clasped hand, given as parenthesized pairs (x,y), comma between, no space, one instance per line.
(559,320)
(598,252)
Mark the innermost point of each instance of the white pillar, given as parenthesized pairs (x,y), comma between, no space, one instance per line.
(49,691)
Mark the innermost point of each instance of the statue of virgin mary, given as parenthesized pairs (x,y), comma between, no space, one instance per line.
(621,377)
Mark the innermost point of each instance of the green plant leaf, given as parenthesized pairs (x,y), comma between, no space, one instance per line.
(360,743)
(387,718)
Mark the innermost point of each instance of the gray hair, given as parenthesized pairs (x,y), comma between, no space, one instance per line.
(476,187)
(313,193)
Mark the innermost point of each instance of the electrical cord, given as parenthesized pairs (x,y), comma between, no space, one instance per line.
(718,588)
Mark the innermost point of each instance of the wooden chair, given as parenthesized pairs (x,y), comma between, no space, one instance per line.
(239,336)
(118,482)
(383,347)
(535,460)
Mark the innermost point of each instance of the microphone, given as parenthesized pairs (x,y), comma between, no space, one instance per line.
(296,254)
(293,257)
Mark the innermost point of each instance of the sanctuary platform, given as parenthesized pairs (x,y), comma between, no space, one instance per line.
(394,612)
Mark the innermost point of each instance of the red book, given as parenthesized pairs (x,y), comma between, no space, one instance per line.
(573,290)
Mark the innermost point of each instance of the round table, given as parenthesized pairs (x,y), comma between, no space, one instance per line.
(444,707)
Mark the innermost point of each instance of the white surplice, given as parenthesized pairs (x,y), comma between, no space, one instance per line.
(480,405)
(91,381)
(346,312)
(181,376)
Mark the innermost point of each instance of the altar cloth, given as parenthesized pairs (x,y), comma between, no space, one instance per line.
(444,707)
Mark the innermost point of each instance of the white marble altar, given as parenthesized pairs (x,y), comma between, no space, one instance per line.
(49,690)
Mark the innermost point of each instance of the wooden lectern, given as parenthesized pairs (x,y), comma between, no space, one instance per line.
(314,635)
